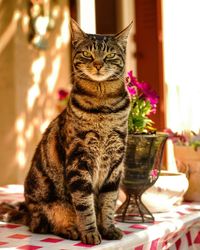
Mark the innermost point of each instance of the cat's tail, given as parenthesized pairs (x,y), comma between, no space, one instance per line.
(16,213)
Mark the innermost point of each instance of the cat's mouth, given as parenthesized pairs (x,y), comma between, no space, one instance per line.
(98,77)
(99,73)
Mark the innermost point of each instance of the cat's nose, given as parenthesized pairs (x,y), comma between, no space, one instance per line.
(98,64)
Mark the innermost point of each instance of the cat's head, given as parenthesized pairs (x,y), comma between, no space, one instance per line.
(98,57)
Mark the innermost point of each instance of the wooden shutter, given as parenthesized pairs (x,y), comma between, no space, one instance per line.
(106,19)
(149,53)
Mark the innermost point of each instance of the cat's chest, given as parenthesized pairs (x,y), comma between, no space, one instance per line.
(104,124)
(110,151)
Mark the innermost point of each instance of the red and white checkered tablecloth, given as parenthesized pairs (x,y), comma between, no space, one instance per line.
(175,230)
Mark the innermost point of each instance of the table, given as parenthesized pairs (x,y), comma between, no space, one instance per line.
(178,229)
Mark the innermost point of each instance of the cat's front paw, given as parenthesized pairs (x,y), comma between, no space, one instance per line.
(111,233)
(70,233)
(92,238)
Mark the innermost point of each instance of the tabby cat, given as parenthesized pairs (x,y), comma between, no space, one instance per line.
(72,186)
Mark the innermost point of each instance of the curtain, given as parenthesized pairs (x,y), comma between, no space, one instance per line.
(181,22)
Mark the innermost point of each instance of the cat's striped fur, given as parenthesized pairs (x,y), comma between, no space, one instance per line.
(72,186)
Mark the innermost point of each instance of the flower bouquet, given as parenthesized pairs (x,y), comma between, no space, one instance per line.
(143,103)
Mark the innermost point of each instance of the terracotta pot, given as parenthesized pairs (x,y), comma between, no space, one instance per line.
(188,162)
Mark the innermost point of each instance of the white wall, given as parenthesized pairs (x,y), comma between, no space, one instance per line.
(181,25)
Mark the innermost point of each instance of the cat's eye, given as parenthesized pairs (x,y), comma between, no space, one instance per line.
(87,54)
(110,55)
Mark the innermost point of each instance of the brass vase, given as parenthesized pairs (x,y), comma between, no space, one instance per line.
(142,169)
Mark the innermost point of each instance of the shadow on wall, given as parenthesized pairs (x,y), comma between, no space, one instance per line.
(29,81)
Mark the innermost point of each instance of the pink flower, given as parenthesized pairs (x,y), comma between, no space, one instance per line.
(131,90)
(148,93)
(62,94)
(154,173)
(175,137)
(133,80)
(144,90)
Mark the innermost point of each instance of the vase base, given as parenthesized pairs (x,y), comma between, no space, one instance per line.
(134,218)
(133,211)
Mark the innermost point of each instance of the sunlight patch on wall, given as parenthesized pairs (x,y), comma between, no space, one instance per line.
(20,123)
(21,142)
(64,37)
(25,23)
(37,68)
(10,31)
(34,91)
(33,94)
(29,132)
(56,11)
(52,78)
(44,126)
(65,34)
(21,159)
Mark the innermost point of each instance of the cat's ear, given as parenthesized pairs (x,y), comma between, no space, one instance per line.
(76,32)
(123,35)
